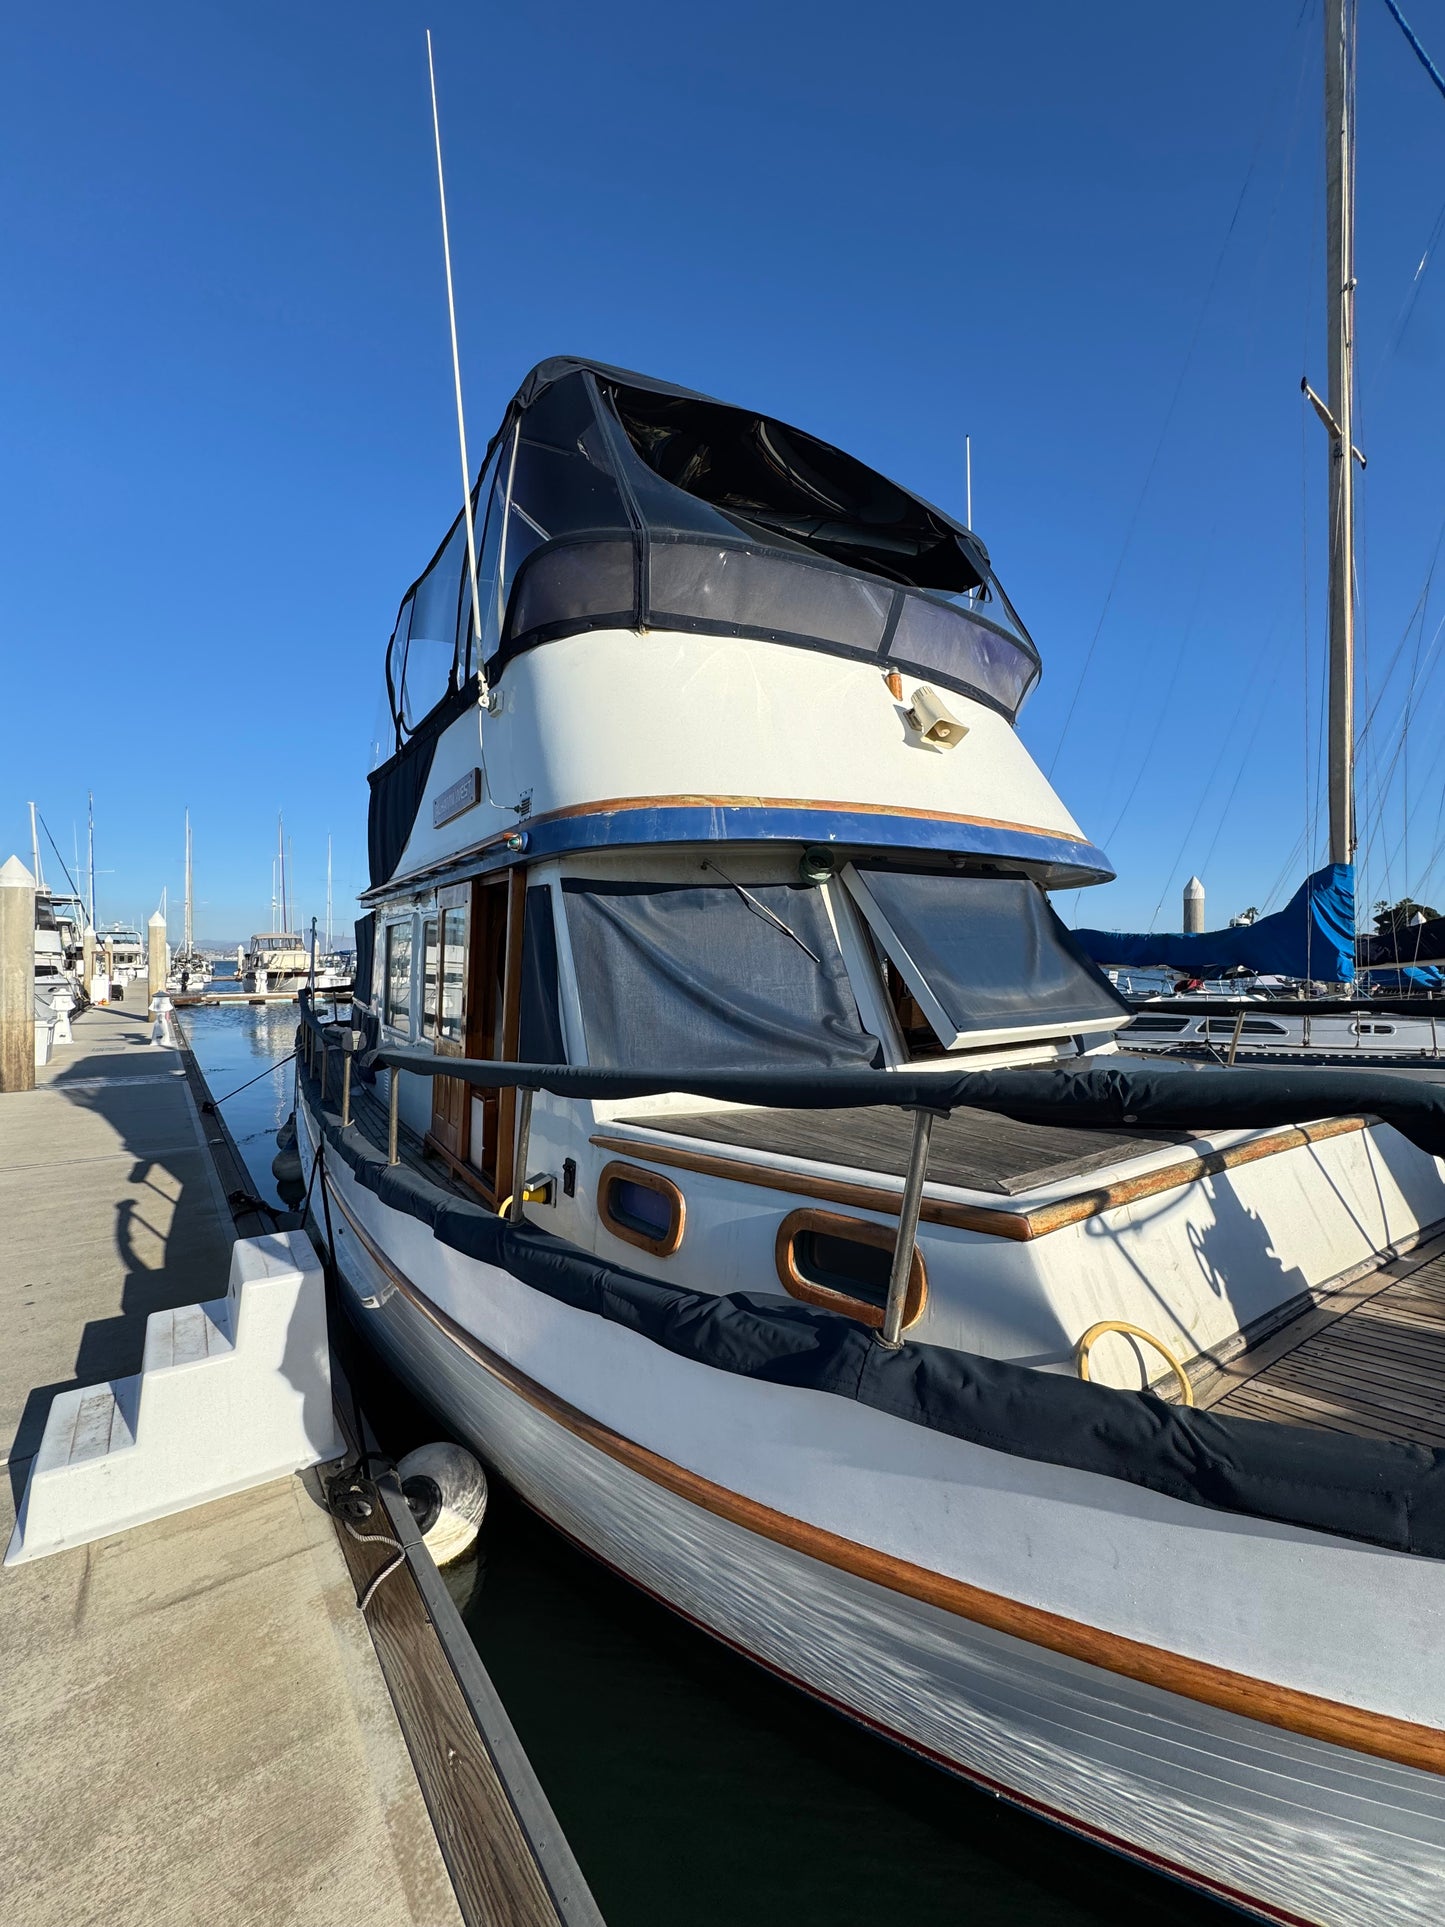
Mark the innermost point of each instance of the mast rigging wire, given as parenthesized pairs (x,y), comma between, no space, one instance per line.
(1170,411)
(74,890)
(1420,54)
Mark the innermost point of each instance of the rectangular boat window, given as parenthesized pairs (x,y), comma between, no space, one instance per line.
(397,1011)
(981,956)
(429,962)
(453,972)
(711,977)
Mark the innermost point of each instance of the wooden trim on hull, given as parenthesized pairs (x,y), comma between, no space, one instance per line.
(1026,1802)
(1036,1222)
(1381,1735)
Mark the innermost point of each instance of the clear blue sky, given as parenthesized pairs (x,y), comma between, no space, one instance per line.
(228,436)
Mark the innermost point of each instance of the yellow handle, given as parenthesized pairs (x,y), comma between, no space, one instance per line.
(536,1195)
(1081,1350)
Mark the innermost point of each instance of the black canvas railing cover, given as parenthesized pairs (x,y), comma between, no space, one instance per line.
(1379,1492)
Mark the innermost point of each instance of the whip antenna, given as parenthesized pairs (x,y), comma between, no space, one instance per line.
(456,368)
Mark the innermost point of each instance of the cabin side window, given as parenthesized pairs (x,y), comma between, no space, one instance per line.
(972,960)
(396,1011)
(453,971)
(429,963)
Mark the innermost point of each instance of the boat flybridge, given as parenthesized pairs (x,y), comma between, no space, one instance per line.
(730,1141)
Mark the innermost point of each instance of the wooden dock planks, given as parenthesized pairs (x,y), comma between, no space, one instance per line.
(1375,1368)
(494,1871)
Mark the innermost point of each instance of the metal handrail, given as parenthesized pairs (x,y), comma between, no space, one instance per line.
(529,1078)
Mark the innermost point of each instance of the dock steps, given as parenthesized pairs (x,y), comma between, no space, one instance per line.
(230,1394)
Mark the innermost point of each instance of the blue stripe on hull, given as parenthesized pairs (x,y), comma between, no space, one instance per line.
(730,823)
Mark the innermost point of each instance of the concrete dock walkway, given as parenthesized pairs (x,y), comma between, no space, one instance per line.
(194,1726)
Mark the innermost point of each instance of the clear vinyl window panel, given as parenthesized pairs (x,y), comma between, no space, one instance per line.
(983,957)
(397,985)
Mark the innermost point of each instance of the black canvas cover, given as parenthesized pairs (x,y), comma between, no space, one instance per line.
(361,974)
(399,784)
(636,503)
(540,1029)
(713,977)
(1170,1094)
(1384,1494)
(991,951)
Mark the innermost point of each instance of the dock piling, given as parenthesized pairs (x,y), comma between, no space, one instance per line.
(156,955)
(17,977)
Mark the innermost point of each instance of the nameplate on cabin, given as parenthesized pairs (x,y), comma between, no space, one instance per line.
(462,796)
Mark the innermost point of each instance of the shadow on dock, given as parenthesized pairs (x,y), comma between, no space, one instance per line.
(112,1211)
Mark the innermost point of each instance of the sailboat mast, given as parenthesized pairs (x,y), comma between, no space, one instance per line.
(188,946)
(328,896)
(1340,285)
(35,851)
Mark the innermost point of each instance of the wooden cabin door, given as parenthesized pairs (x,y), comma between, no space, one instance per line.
(446,946)
(493,1004)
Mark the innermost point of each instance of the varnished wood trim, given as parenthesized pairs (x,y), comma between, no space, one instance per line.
(1035,1221)
(1380,1735)
(662,1247)
(1044,1218)
(833,1224)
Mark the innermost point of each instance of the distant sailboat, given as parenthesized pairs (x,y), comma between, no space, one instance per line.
(1311,943)
(277,959)
(189,970)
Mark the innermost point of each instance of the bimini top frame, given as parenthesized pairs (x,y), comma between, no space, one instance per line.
(609,500)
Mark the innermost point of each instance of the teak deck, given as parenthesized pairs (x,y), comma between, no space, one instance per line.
(975,1150)
(1371,1362)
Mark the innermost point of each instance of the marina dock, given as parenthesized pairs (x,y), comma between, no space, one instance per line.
(197,1724)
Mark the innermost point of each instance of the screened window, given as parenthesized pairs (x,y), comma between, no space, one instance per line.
(398,976)
(948,641)
(711,977)
(760,592)
(977,958)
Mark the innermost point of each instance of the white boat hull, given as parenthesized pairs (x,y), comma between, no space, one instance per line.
(579,1415)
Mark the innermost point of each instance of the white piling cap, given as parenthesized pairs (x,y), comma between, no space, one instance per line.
(14,875)
(1194,889)
(156,918)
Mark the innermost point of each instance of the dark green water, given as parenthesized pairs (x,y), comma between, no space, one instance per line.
(693,1787)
